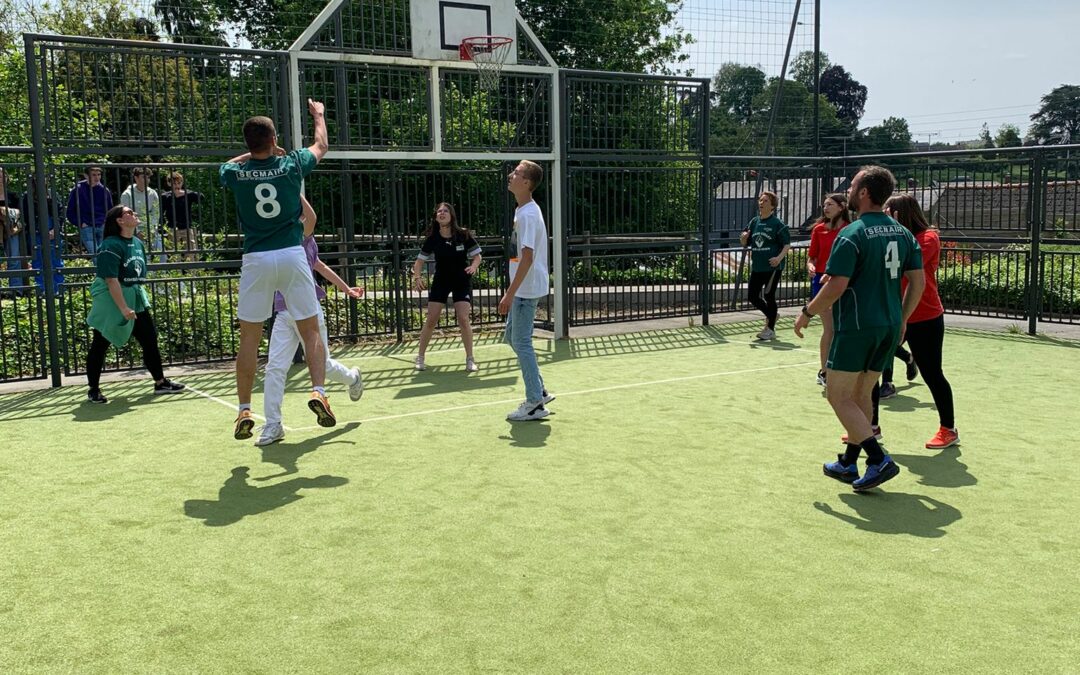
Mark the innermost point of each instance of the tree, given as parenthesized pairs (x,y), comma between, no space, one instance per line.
(1008,136)
(892,135)
(622,35)
(843,91)
(735,87)
(985,140)
(802,68)
(1058,118)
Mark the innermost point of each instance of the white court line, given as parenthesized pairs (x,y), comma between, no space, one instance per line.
(614,387)
(232,406)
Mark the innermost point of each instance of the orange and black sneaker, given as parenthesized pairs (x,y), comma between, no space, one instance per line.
(320,405)
(944,438)
(245,422)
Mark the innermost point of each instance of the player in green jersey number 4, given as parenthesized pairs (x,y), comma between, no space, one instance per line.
(267,183)
(864,270)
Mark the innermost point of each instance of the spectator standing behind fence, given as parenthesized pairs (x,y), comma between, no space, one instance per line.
(146,203)
(457,258)
(176,206)
(769,241)
(834,217)
(11,229)
(44,223)
(88,202)
(120,306)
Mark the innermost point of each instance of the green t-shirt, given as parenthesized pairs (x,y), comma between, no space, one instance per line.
(122,259)
(873,253)
(767,238)
(267,193)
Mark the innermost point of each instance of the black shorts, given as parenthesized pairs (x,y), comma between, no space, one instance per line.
(441,289)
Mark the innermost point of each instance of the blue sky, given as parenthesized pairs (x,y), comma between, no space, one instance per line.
(946,66)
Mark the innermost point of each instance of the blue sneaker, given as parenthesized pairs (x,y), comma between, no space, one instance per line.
(844,474)
(876,474)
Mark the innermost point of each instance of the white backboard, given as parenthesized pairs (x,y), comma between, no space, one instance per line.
(438,26)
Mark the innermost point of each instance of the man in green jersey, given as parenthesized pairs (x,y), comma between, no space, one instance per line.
(267,184)
(870,317)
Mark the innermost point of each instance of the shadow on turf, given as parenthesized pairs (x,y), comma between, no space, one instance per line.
(943,470)
(237,499)
(528,434)
(286,455)
(895,513)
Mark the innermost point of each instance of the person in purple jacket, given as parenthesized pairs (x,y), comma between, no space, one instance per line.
(285,338)
(88,202)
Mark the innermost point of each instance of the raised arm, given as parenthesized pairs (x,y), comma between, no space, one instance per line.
(321,144)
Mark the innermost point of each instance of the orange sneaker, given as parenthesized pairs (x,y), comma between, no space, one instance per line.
(320,405)
(245,422)
(943,438)
(875,428)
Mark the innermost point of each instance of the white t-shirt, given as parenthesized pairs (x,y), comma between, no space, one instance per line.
(530,232)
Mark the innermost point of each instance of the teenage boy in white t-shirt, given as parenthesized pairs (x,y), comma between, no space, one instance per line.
(528,284)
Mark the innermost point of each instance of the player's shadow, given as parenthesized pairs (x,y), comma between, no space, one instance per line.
(895,513)
(424,384)
(287,455)
(941,470)
(528,434)
(904,403)
(237,499)
(100,412)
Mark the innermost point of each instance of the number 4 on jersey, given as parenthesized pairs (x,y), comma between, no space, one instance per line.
(892,260)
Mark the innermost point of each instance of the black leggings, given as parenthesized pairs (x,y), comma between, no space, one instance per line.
(762,293)
(901,354)
(925,339)
(145,332)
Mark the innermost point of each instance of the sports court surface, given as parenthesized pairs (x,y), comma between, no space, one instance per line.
(670,516)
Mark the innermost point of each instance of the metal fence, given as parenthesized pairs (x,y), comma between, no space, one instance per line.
(648,222)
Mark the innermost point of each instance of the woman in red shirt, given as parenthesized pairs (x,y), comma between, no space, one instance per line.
(834,218)
(926,325)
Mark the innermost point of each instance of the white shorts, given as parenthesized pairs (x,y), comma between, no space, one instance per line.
(285,270)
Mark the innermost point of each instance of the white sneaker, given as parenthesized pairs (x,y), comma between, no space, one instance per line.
(356,389)
(548,398)
(271,433)
(418,363)
(528,411)
(470,366)
(767,334)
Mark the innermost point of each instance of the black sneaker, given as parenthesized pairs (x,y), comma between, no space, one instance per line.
(167,386)
(888,390)
(95,396)
(912,370)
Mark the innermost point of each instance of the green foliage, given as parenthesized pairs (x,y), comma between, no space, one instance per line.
(621,35)
(802,67)
(845,93)
(1008,136)
(735,90)
(1058,118)
(892,135)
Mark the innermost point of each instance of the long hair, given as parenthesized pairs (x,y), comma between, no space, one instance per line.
(456,230)
(843,218)
(112,222)
(908,213)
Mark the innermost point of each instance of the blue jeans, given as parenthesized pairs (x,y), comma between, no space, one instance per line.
(91,237)
(519,330)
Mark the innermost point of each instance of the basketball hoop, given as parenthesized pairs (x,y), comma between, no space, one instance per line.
(489,53)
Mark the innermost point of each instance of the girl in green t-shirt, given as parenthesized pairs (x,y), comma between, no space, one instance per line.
(118,300)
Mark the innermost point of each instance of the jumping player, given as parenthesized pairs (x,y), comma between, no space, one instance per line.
(267,185)
(865,267)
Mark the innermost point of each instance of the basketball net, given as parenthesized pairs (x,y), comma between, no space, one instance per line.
(489,53)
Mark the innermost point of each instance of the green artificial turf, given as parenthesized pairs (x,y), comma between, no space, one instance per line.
(669,516)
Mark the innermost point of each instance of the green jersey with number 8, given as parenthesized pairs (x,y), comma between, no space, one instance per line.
(873,253)
(267,193)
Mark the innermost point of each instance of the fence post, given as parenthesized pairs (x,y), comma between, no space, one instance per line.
(1035,222)
(561,235)
(705,209)
(43,208)
(397,293)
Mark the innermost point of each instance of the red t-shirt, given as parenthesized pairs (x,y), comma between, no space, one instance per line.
(930,306)
(821,243)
